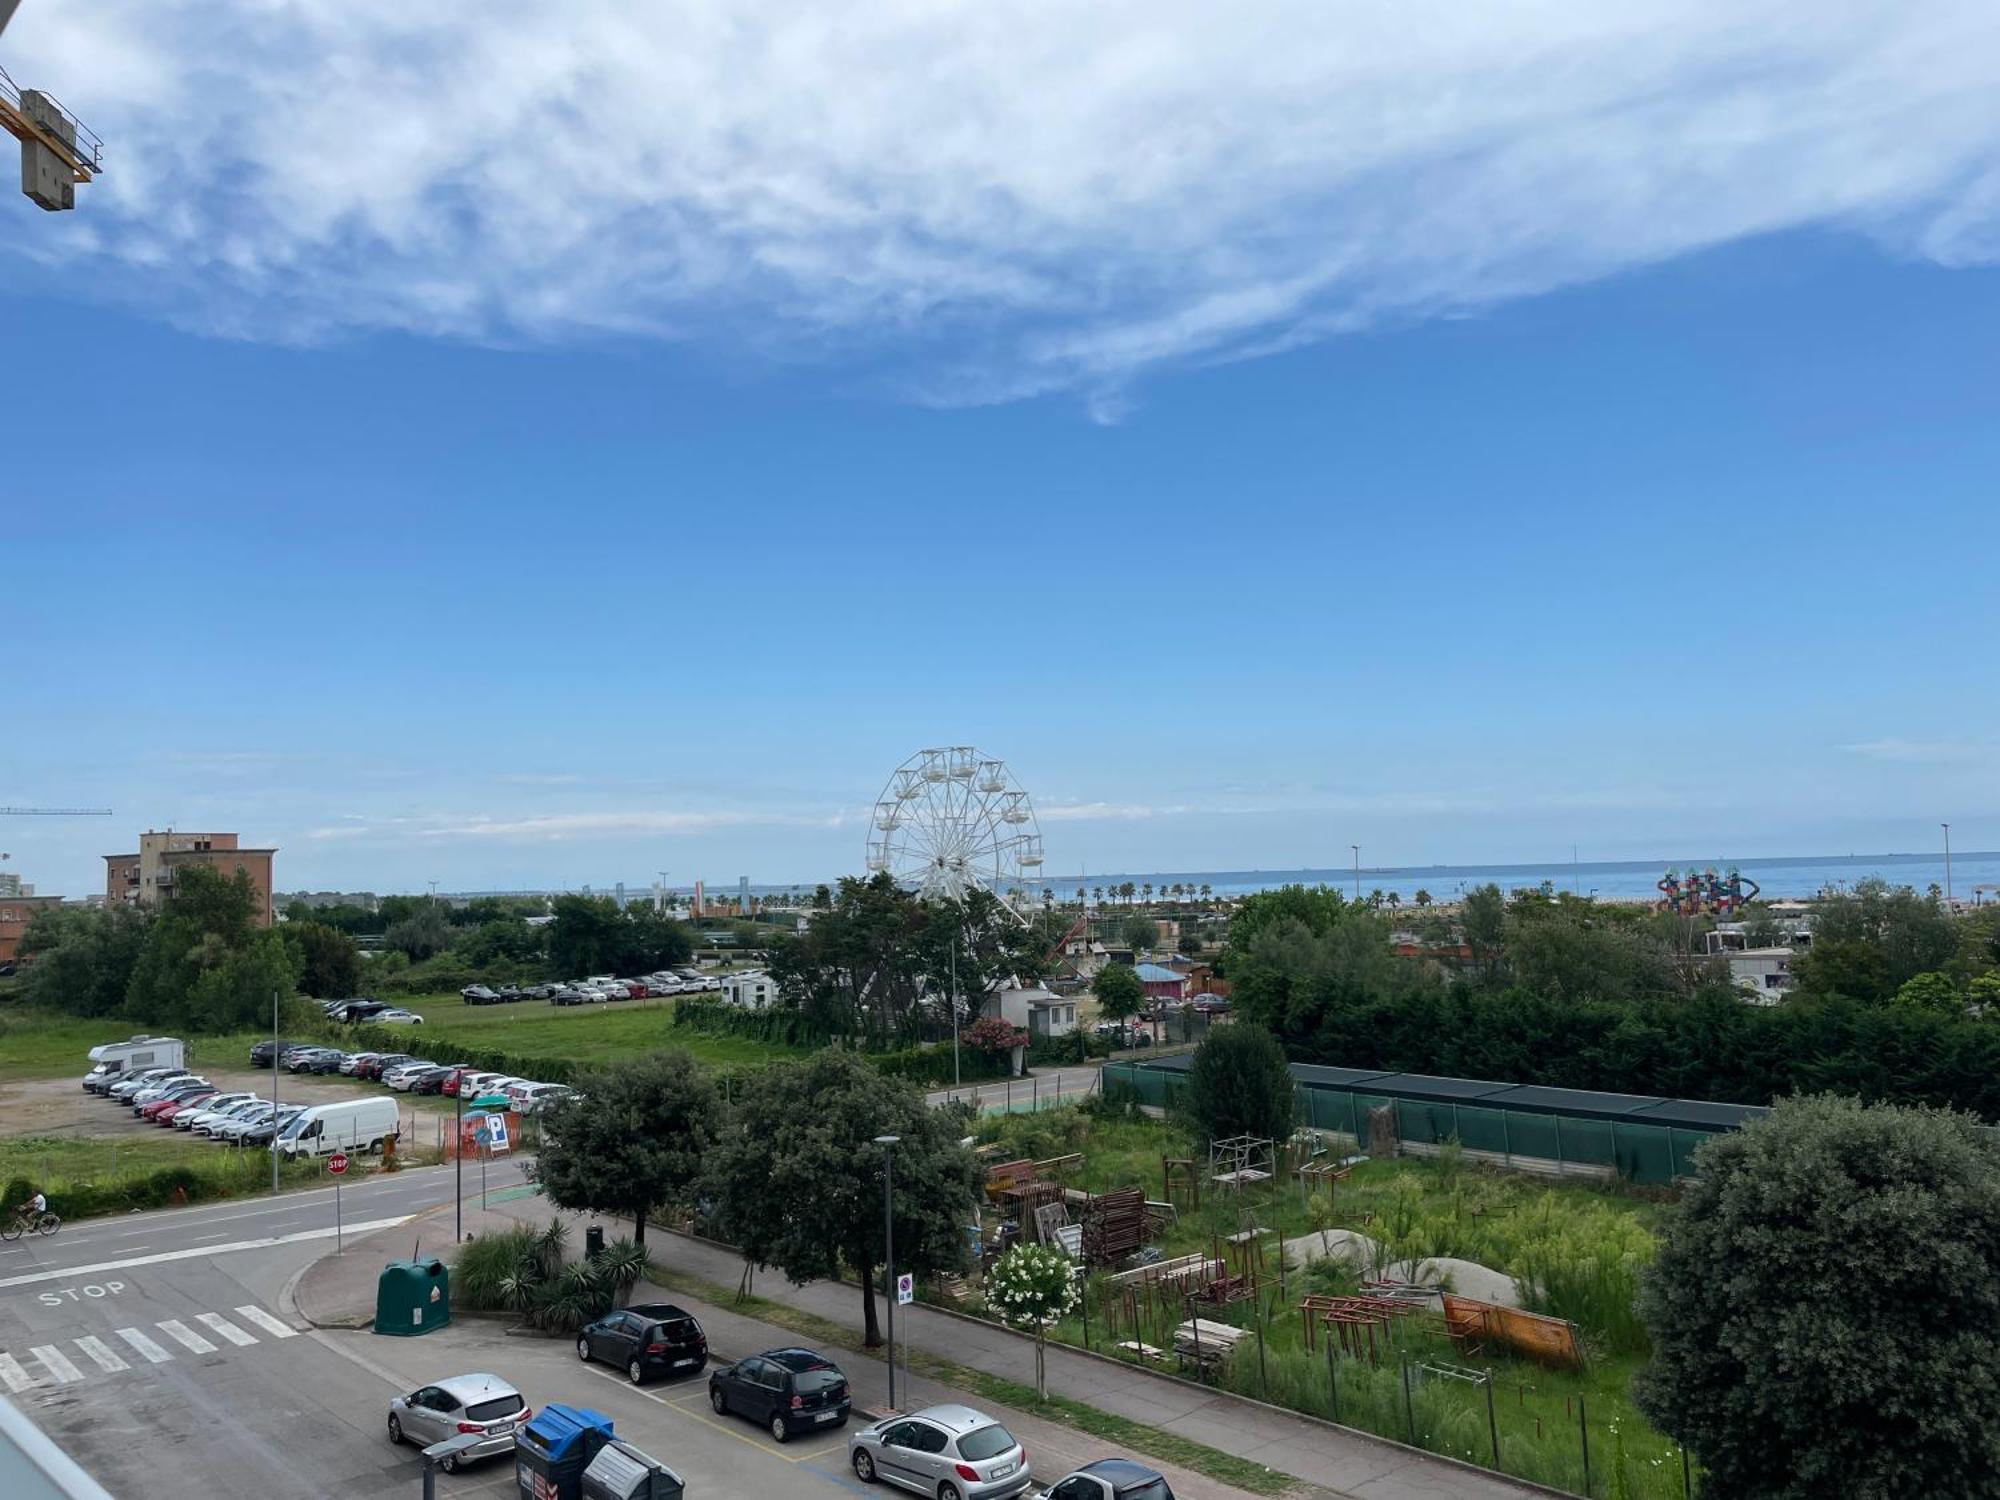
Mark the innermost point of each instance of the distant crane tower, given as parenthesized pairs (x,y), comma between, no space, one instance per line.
(57,150)
(47,812)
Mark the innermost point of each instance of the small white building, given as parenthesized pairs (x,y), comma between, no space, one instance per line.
(1764,975)
(751,990)
(1035,1010)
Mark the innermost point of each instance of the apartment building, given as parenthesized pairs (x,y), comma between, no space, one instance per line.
(147,877)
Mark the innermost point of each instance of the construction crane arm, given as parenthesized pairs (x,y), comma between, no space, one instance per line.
(55,812)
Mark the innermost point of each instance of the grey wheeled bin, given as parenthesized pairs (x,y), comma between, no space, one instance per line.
(622,1472)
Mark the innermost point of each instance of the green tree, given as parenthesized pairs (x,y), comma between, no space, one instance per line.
(205,964)
(1139,933)
(1482,923)
(423,934)
(1119,993)
(1189,943)
(1825,1307)
(327,961)
(83,958)
(584,936)
(1932,992)
(1238,1084)
(1033,1287)
(1906,933)
(633,1140)
(798,1180)
(1422,898)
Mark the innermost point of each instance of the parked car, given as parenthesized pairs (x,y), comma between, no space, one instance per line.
(266,1130)
(430,1081)
(404,1074)
(231,1127)
(110,1084)
(509,993)
(214,1104)
(195,1121)
(382,1062)
(356,1061)
(161,1111)
(952,1452)
(569,994)
(543,1095)
(483,1404)
(1112,1479)
(313,1060)
(787,1390)
(479,994)
(173,1088)
(261,1053)
(649,1338)
(398,1018)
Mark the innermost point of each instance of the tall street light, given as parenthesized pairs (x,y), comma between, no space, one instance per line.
(1357,872)
(888,1145)
(1947,862)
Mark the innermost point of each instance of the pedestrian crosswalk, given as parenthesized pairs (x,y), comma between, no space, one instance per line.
(45,1366)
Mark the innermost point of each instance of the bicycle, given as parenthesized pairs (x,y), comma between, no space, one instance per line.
(16,1226)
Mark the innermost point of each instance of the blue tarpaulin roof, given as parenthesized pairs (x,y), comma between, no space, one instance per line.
(1157,974)
(556,1428)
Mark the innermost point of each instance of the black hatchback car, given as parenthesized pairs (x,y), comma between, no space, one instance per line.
(647,1339)
(1112,1479)
(787,1390)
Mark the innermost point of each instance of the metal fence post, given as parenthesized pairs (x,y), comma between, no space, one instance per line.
(1409,1406)
(1332,1380)
(1583,1432)
(1492,1422)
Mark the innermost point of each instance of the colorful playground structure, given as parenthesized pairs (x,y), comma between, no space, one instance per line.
(1705,893)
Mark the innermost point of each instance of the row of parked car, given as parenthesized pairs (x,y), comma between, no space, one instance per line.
(408,1074)
(599,987)
(952,1452)
(177,1099)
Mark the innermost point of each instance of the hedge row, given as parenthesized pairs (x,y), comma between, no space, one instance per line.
(232,1174)
(443,1050)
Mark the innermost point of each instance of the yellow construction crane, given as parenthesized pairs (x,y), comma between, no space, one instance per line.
(57,150)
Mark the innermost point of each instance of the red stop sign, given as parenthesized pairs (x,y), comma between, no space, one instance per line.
(337,1163)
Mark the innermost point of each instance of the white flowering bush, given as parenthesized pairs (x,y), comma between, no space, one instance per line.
(1032,1286)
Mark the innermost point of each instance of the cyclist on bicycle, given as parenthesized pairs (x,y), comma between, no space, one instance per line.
(33,1209)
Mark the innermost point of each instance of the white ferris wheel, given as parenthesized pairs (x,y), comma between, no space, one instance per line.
(951,819)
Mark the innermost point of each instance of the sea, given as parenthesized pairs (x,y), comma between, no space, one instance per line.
(1974,876)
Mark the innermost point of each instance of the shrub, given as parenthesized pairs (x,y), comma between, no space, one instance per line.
(1239,1084)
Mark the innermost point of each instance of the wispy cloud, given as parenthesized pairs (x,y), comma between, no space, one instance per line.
(529,827)
(1925,752)
(1010,197)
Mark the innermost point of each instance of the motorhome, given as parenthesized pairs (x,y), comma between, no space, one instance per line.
(114,1060)
(348,1125)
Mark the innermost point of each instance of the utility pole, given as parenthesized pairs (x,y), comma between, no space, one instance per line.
(275,1049)
(1947,862)
(888,1145)
(955,1079)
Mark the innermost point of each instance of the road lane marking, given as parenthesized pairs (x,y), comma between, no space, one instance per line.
(144,1345)
(57,1363)
(13,1376)
(180,1333)
(223,1328)
(200,1251)
(100,1352)
(257,1315)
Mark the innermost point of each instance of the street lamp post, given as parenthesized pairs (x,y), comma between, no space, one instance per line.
(458,1165)
(1947,862)
(888,1145)
(1357,872)
(955,1079)
(275,1049)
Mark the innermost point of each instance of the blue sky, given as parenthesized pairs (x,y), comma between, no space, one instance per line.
(372,534)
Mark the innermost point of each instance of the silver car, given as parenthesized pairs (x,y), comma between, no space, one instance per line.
(465,1403)
(952,1452)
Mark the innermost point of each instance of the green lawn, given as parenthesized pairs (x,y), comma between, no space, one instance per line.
(33,1045)
(583,1033)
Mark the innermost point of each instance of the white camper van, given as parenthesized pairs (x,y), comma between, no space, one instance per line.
(349,1125)
(114,1060)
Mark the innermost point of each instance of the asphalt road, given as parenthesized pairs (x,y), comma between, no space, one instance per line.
(156,1351)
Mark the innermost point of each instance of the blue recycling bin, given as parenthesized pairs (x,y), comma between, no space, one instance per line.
(553,1450)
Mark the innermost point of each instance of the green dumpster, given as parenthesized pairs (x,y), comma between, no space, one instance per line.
(412,1297)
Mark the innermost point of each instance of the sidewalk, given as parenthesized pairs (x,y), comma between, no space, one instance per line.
(340,1291)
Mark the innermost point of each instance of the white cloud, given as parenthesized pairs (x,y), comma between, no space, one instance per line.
(1006,197)
(1937,752)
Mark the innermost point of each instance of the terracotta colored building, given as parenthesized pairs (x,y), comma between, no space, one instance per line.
(147,877)
(15,914)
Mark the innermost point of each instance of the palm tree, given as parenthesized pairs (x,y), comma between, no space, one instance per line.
(1204,891)
(1097,895)
(1395,901)
(1375,898)
(1126,890)
(1423,898)
(1079,895)
(1146,892)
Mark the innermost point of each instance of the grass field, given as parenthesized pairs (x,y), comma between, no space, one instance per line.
(33,1045)
(1588,1238)
(584,1033)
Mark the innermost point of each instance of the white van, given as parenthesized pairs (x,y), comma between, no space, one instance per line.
(350,1125)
